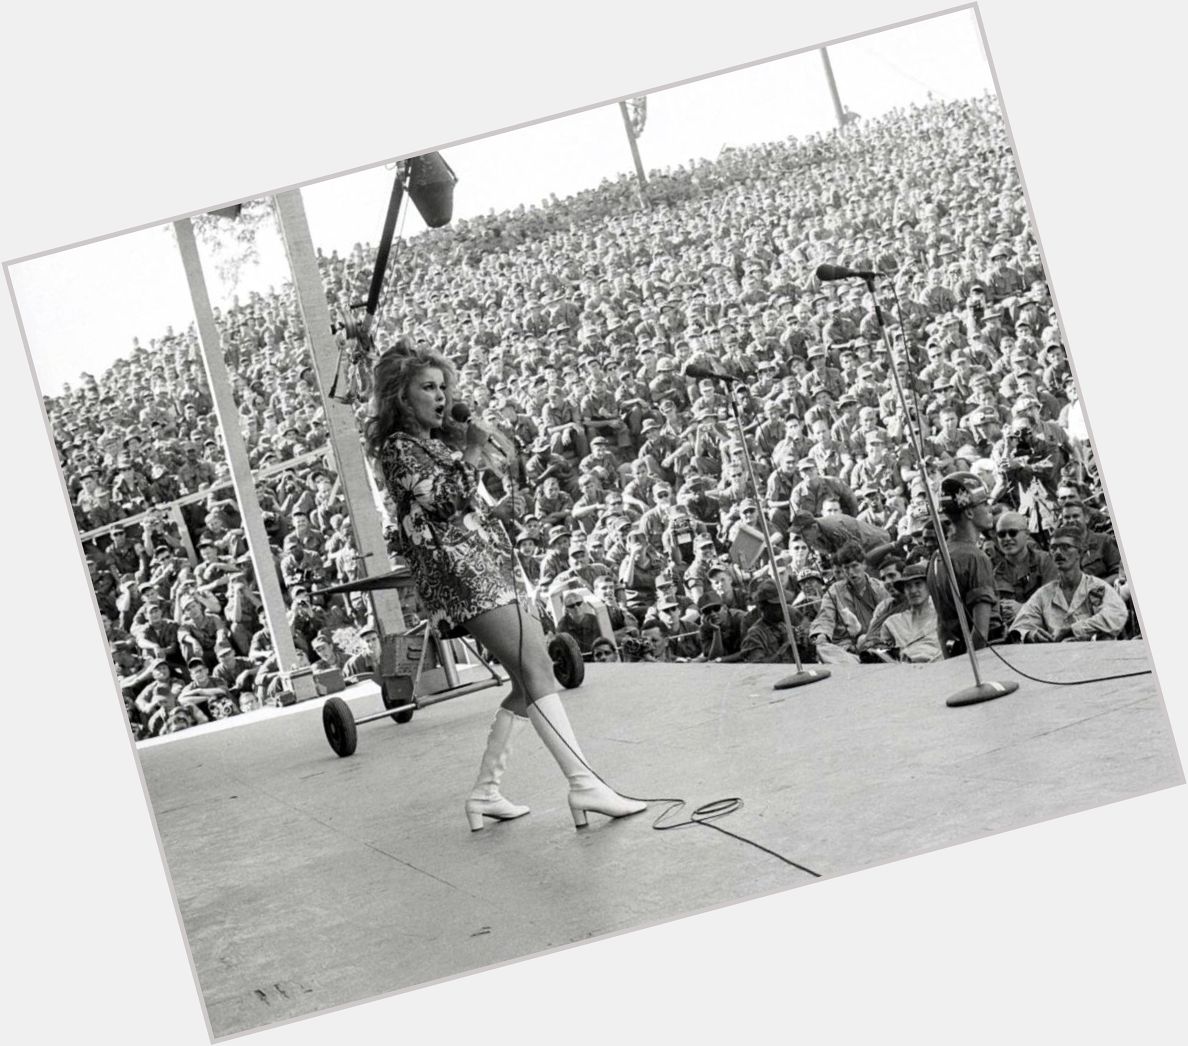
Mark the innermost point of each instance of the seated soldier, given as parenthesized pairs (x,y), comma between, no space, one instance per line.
(721,629)
(200,632)
(1076,606)
(1100,556)
(579,621)
(604,650)
(1019,567)
(236,674)
(621,619)
(848,606)
(366,664)
(684,641)
(911,632)
(327,655)
(157,701)
(766,641)
(205,698)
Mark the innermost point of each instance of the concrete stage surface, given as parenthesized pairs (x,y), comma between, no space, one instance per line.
(306,881)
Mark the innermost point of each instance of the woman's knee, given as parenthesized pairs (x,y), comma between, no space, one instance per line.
(517,641)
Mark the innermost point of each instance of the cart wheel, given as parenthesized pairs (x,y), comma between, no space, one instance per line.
(396,691)
(339,724)
(568,666)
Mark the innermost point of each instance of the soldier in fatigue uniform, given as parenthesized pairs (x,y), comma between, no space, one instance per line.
(864,389)
(669,384)
(590,505)
(839,327)
(844,430)
(1076,606)
(770,431)
(938,366)
(767,640)
(936,298)
(951,336)
(553,505)
(556,558)
(1019,566)
(1001,280)
(821,375)
(822,408)
(656,519)
(878,469)
(950,437)
(825,450)
(527,557)
(812,490)
(877,511)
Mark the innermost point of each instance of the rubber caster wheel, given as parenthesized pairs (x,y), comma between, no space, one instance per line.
(396,691)
(568,666)
(339,724)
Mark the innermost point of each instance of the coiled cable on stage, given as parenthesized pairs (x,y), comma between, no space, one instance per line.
(703,815)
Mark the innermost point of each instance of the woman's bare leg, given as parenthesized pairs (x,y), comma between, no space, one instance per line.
(516,639)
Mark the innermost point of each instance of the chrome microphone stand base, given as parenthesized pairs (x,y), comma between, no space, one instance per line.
(802,678)
(975,695)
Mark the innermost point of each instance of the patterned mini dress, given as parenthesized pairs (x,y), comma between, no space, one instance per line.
(459,554)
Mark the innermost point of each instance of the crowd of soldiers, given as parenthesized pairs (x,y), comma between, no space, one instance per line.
(571,324)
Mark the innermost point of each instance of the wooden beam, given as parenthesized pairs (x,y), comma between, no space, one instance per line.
(227,413)
(352,465)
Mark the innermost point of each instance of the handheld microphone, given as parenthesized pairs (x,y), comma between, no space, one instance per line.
(840,272)
(694,371)
(497,449)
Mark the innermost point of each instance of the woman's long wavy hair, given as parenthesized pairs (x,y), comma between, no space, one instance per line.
(395,371)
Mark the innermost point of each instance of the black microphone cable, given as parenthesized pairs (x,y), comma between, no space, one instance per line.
(1067,682)
(703,815)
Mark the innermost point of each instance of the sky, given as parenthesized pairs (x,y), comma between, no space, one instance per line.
(82,306)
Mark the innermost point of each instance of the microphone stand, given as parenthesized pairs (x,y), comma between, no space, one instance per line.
(802,676)
(981,690)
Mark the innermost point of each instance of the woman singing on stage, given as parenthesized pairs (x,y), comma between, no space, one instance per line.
(462,564)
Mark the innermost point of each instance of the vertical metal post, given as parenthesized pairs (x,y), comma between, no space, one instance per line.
(345,439)
(183,532)
(982,690)
(639,167)
(237,457)
(802,675)
(838,111)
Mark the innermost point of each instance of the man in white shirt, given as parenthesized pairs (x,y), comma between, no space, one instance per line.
(912,631)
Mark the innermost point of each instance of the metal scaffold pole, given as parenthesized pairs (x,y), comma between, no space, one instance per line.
(838,111)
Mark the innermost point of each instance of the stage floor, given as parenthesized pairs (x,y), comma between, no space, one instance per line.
(306,881)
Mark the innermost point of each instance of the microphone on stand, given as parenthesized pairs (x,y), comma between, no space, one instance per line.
(840,272)
(694,371)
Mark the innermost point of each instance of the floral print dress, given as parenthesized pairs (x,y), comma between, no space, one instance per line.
(459,555)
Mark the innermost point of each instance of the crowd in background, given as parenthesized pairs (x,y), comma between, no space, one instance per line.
(570,324)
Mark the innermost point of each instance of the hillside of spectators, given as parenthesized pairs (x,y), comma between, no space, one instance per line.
(570,324)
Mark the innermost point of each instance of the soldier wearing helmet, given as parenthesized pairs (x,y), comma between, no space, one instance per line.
(964,504)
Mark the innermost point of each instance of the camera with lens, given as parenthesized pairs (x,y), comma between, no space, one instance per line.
(632,649)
